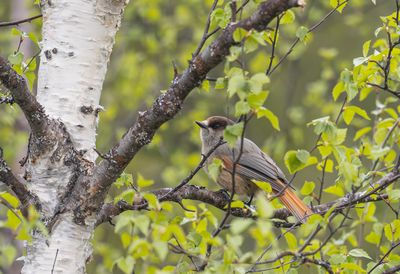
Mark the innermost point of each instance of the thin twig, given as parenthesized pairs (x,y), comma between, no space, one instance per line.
(205,34)
(54,262)
(309,31)
(194,172)
(383,257)
(271,59)
(16,23)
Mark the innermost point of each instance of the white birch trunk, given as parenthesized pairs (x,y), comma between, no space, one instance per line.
(78,36)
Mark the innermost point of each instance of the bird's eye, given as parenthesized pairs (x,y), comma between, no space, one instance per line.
(215,125)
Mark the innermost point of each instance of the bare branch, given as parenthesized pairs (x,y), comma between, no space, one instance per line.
(392,270)
(23,194)
(18,22)
(270,71)
(221,200)
(384,256)
(16,84)
(205,34)
(218,199)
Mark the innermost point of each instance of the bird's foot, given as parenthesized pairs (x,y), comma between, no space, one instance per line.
(225,192)
(248,203)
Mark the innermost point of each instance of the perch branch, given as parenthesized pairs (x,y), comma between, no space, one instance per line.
(220,200)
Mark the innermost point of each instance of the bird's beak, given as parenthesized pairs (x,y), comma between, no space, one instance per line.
(201,124)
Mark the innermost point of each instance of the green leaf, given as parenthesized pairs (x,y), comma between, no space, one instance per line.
(361,133)
(126,264)
(214,168)
(349,112)
(359,111)
(236,84)
(126,195)
(220,83)
(142,222)
(161,249)
(236,204)
(13,221)
(33,38)
(16,32)
(152,201)
(266,187)
(123,221)
(9,253)
(240,225)
(307,188)
(324,125)
(394,194)
(348,116)
(220,17)
(239,34)
(339,4)
(366,47)
(242,107)
(12,200)
(350,87)
(335,190)
(359,61)
(263,112)
(257,100)
(389,232)
(351,90)
(141,182)
(235,52)
(16,58)
(257,81)
(291,240)
(301,33)
(293,163)
(373,238)
(233,132)
(365,92)
(302,155)
(336,259)
(124,180)
(337,90)
(353,266)
(258,37)
(359,253)
(287,18)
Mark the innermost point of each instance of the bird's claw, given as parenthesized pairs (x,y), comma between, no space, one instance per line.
(225,192)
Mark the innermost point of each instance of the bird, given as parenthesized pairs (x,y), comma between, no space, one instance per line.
(252,164)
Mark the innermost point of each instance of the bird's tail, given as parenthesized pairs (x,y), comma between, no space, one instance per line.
(295,205)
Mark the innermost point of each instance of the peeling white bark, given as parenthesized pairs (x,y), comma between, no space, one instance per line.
(66,250)
(78,36)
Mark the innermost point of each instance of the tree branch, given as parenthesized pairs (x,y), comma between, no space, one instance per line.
(23,194)
(168,104)
(16,84)
(16,23)
(220,200)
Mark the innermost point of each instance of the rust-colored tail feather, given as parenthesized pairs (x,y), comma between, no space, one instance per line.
(295,205)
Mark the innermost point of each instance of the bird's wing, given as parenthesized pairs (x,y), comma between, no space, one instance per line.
(256,165)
